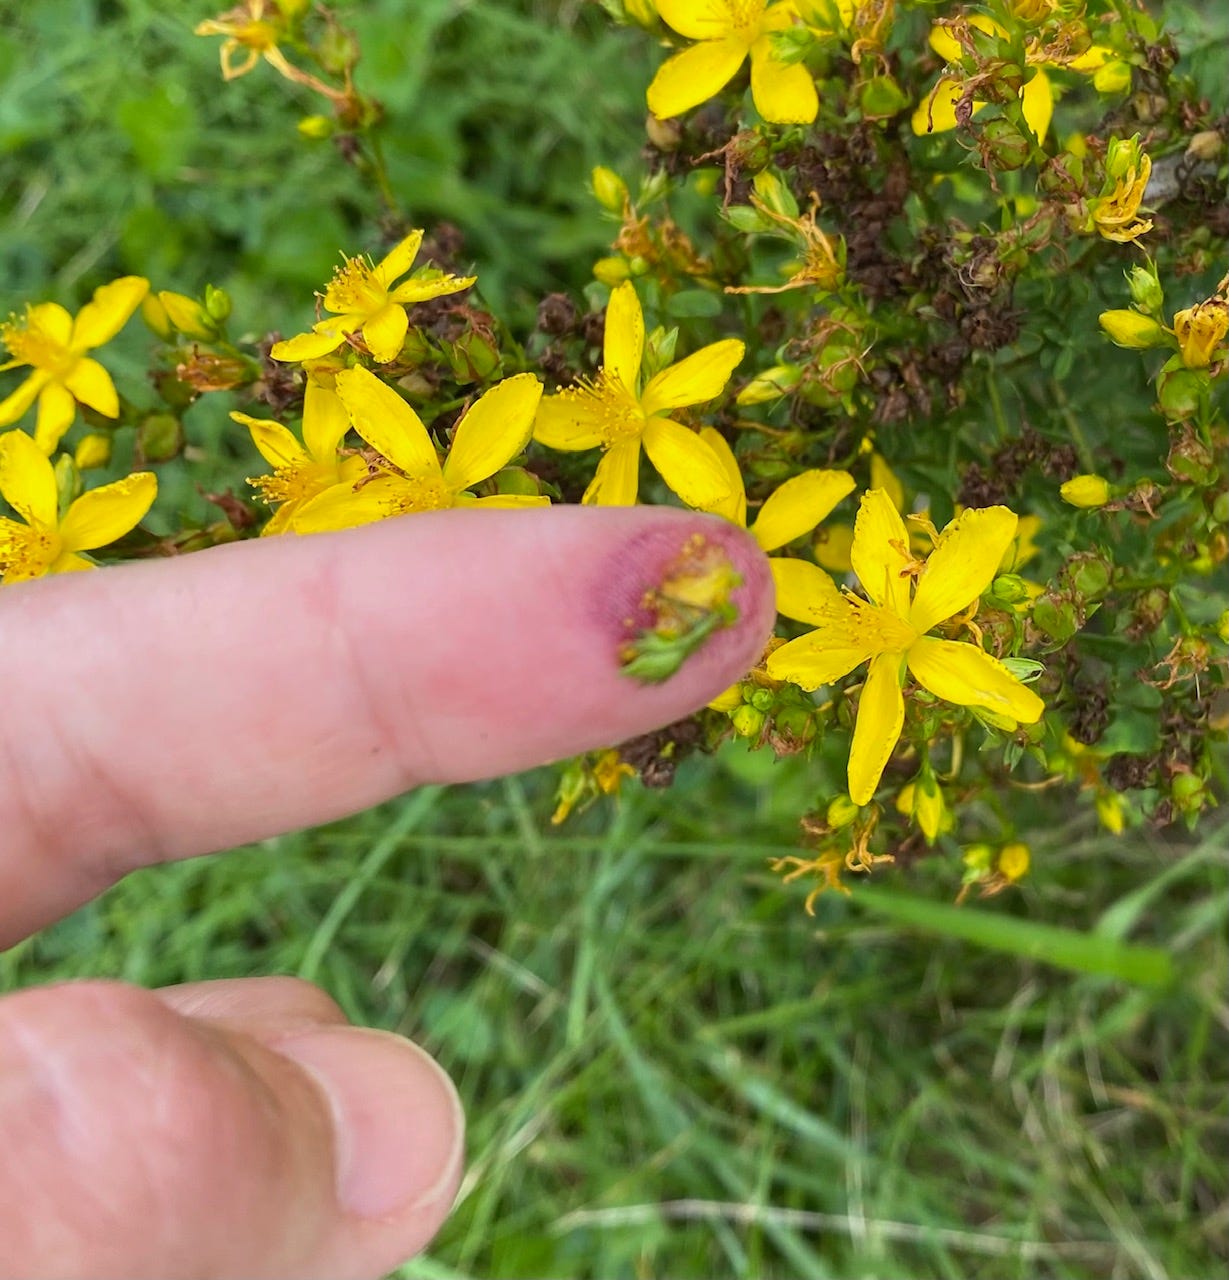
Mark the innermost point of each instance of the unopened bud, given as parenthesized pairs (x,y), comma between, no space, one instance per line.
(1009,588)
(159,437)
(93,451)
(1146,291)
(747,721)
(611,271)
(315,128)
(1130,329)
(770,385)
(841,812)
(1086,491)
(1112,77)
(609,189)
(1013,861)
(217,303)
(155,316)
(188,316)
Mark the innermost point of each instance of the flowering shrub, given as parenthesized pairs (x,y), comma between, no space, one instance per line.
(843,306)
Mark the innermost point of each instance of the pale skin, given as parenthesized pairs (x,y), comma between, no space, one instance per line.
(172,708)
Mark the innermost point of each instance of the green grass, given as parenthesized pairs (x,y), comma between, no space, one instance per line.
(670,1069)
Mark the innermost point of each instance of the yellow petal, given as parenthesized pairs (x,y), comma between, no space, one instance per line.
(700,377)
(821,656)
(387,423)
(427,287)
(70,562)
(832,547)
(963,565)
(504,501)
(687,465)
(385,332)
(1037,100)
(99,321)
(27,480)
(695,19)
(568,421)
(883,477)
(398,260)
(325,421)
(105,514)
(937,111)
(694,76)
(727,699)
(91,384)
(804,591)
(967,676)
(20,400)
(56,411)
(307,346)
(880,552)
(617,479)
(277,445)
(881,713)
(798,505)
(949,48)
(783,92)
(623,345)
(53,320)
(735,506)
(341,507)
(493,432)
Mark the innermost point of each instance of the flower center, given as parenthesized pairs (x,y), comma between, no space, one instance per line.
(295,484)
(29,343)
(26,551)
(743,17)
(883,629)
(609,408)
(354,288)
(416,493)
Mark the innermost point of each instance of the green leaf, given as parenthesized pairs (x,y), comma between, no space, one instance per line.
(694,304)
(1029,939)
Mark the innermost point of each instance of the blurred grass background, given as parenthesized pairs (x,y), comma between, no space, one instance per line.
(670,1069)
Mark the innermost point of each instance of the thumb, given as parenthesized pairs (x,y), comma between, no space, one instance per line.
(157,1144)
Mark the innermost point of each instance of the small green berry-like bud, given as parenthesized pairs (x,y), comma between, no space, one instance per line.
(747,721)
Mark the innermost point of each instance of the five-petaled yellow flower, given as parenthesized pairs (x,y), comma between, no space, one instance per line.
(302,471)
(889,630)
(729,32)
(47,543)
(487,438)
(792,509)
(365,298)
(53,344)
(937,111)
(249,32)
(612,412)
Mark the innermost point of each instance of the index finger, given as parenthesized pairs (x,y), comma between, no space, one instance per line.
(174,707)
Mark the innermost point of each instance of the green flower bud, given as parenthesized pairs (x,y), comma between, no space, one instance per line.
(1009,588)
(747,721)
(1112,77)
(188,316)
(1146,291)
(159,437)
(217,303)
(841,812)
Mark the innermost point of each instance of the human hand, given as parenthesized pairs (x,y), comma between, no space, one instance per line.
(165,709)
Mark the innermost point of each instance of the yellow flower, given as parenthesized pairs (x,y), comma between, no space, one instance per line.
(889,630)
(365,298)
(612,412)
(302,471)
(792,509)
(54,344)
(1200,330)
(937,112)
(1114,214)
(1086,491)
(45,543)
(490,435)
(729,32)
(248,30)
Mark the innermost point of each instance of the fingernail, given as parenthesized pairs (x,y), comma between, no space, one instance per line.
(645,559)
(398,1123)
